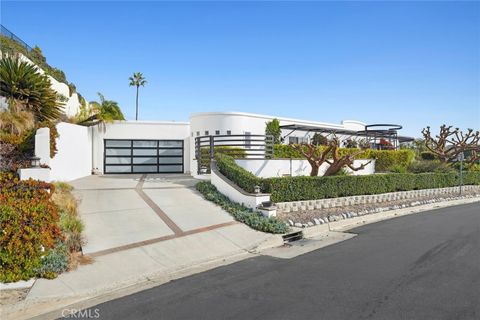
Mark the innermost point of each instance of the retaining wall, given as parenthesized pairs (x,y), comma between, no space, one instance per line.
(367,199)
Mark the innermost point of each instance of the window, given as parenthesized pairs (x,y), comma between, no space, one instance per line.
(296,140)
(206,132)
(248,142)
(198,133)
(229,132)
(192,134)
(217,132)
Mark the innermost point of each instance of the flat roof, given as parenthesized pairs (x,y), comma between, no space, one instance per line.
(361,133)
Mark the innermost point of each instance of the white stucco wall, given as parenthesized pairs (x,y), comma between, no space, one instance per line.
(42,145)
(149,130)
(74,156)
(280,167)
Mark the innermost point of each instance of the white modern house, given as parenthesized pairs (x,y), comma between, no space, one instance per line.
(169,147)
(124,147)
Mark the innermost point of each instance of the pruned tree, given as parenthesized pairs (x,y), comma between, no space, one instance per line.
(313,154)
(316,156)
(449,143)
(338,162)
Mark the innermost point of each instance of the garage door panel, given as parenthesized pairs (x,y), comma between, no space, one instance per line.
(145,144)
(143,156)
(118,143)
(171,169)
(145,160)
(170,152)
(118,152)
(118,160)
(118,169)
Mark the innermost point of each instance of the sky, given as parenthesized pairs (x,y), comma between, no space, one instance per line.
(411,63)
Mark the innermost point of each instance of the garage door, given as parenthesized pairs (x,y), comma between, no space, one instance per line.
(143,156)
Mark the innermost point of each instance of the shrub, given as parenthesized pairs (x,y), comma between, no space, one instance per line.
(54,262)
(311,188)
(385,159)
(29,224)
(421,166)
(427,155)
(253,219)
(241,177)
(397,168)
(69,223)
(234,152)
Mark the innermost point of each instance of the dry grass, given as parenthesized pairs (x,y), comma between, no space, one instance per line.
(65,201)
(78,258)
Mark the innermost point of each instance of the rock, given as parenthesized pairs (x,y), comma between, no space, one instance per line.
(321,221)
(298,225)
(310,224)
(290,222)
(317,222)
(304,225)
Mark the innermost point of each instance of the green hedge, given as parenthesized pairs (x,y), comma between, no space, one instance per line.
(235,152)
(241,177)
(385,159)
(253,219)
(309,188)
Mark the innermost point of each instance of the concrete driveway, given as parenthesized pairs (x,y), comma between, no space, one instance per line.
(121,211)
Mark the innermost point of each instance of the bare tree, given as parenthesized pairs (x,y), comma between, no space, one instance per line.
(449,143)
(314,155)
(338,162)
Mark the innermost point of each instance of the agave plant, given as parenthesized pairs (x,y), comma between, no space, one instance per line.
(26,90)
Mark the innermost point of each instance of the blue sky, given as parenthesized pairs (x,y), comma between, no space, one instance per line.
(413,63)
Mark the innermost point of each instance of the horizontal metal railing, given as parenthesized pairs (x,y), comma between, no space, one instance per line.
(236,145)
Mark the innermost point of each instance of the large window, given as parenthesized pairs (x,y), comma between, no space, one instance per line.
(143,156)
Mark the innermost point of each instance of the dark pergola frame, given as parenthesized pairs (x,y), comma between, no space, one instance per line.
(371,132)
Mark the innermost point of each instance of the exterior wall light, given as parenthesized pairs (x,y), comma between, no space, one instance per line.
(35,162)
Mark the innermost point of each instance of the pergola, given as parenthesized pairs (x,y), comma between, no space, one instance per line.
(372,132)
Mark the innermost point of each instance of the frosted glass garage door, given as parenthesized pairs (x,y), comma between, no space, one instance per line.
(143,156)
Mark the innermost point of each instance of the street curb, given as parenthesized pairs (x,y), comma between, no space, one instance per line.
(347,224)
(49,308)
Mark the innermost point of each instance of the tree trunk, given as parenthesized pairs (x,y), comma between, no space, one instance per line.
(314,171)
(136,109)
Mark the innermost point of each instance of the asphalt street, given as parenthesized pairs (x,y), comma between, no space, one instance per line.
(423,266)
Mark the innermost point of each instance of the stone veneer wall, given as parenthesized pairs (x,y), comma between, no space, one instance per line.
(368,199)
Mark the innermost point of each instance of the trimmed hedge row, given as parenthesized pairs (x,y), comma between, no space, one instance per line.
(310,188)
(385,159)
(252,219)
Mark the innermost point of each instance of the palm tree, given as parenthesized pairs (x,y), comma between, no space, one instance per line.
(26,90)
(137,80)
(103,111)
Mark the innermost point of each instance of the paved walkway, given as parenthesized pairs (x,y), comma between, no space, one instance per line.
(141,226)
